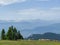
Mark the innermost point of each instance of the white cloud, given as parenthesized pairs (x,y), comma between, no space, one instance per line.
(39,14)
(32,13)
(6,2)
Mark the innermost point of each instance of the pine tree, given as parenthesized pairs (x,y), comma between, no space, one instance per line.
(9,34)
(15,33)
(19,35)
(3,34)
(12,32)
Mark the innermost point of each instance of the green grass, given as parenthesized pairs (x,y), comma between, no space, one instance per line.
(29,42)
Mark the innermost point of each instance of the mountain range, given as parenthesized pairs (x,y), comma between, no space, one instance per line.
(48,35)
(32,26)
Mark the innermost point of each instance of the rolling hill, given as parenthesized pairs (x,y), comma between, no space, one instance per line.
(48,35)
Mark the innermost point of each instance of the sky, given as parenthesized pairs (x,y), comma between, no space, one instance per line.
(29,9)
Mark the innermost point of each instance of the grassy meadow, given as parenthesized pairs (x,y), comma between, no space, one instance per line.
(29,42)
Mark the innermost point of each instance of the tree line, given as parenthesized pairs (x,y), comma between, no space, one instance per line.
(11,34)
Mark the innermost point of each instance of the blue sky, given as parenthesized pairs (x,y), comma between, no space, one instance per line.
(29,9)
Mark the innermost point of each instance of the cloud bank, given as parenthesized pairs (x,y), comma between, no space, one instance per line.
(49,14)
(7,2)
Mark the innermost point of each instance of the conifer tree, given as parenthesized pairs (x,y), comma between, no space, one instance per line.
(19,35)
(3,34)
(9,34)
(15,33)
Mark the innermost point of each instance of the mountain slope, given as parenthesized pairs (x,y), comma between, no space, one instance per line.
(55,28)
(51,36)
